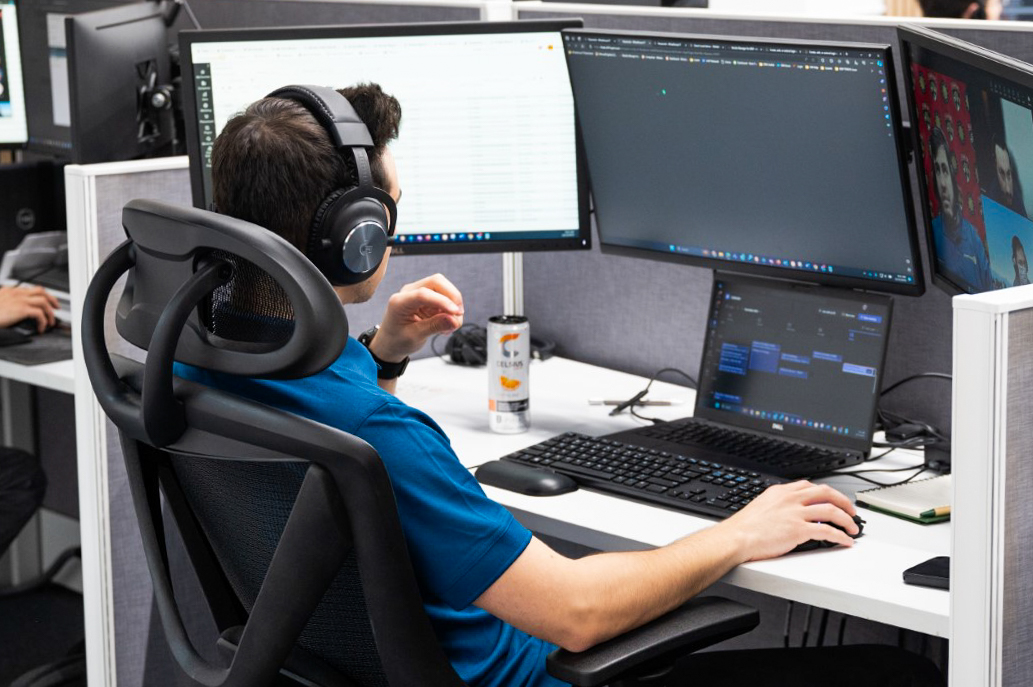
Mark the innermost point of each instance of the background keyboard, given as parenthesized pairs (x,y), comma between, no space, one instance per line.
(676,481)
(775,456)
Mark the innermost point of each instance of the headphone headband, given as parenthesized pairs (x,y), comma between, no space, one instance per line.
(332,111)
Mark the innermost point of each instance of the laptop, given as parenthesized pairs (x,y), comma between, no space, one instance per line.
(789,381)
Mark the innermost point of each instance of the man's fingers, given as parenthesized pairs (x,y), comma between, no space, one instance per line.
(440,284)
(823,493)
(828,513)
(829,533)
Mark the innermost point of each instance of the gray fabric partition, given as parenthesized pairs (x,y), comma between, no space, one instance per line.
(1017,604)
(225,14)
(640,316)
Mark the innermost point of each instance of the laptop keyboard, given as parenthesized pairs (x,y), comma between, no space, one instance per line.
(772,455)
(677,481)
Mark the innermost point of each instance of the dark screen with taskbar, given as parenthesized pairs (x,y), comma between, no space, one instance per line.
(769,157)
(803,361)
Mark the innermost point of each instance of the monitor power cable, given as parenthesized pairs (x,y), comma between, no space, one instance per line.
(637,399)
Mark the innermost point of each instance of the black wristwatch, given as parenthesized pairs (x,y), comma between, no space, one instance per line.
(385,370)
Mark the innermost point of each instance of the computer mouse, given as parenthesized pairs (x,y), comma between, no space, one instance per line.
(524,479)
(822,544)
(29,327)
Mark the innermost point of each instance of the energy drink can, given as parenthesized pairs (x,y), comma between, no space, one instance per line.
(509,362)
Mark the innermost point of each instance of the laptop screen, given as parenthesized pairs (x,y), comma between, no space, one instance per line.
(801,361)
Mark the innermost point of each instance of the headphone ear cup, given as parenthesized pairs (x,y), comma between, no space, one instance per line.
(349,237)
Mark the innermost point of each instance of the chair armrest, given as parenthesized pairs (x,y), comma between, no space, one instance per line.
(699,623)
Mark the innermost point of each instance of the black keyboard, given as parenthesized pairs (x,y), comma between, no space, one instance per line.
(677,481)
(775,456)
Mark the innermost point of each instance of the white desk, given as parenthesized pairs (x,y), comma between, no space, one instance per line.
(863,581)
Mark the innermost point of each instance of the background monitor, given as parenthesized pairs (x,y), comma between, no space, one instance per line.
(771,157)
(972,128)
(118,68)
(13,127)
(488,154)
(45,63)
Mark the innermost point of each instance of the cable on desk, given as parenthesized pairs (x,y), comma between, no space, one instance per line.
(631,402)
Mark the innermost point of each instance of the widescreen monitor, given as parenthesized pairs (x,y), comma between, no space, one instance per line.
(45,63)
(778,158)
(13,126)
(488,153)
(972,128)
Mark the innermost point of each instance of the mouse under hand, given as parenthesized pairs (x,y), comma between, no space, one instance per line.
(822,544)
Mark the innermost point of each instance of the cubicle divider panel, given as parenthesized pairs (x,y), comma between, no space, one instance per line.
(228,14)
(991,556)
(1017,600)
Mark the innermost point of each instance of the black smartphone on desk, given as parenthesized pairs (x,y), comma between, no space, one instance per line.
(935,572)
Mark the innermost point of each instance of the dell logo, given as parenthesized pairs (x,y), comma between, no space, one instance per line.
(778,426)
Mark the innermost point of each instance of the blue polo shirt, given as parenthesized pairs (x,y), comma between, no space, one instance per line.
(965,260)
(459,540)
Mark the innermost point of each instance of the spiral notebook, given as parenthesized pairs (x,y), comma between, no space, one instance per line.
(915,501)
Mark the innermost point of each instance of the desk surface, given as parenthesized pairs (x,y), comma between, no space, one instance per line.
(864,581)
(59,376)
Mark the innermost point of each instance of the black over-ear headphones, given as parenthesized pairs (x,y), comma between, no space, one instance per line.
(351,229)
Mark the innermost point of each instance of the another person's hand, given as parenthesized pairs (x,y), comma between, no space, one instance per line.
(787,515)
(430,306)
(20,302)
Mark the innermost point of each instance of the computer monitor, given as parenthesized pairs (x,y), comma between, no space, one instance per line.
(119,78)
(778,158)
(488,154)
(45,64)
(972,127)
(13,123)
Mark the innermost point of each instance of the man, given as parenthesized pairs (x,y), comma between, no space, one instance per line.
(1007,191)
(499,599)
(959,250)
(22,482)
(1018,262)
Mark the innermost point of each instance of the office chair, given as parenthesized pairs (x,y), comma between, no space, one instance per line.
(290,525)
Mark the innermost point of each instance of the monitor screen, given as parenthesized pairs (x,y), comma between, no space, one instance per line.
(488,153)
(805,361)
(13,127)
(972,125)
(45,58)
(771,157)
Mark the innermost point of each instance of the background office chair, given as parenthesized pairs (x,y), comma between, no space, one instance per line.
(290,525)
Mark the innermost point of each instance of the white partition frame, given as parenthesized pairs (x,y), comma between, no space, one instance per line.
(984,355)
(84,257)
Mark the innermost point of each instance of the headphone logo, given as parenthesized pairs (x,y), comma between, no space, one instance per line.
(506,353)
(366,249)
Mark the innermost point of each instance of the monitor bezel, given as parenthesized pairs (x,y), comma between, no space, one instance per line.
(188,38)
(973,57)
(917,288)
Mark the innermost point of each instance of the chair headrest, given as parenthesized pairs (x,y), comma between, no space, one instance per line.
(276,316)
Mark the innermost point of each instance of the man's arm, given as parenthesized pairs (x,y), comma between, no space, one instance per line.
(576,604)
(432,305)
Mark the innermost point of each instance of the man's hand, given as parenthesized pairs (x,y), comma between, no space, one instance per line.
(18,303)
(787,515)
(432,305)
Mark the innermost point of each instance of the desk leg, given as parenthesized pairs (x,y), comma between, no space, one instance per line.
(17,420)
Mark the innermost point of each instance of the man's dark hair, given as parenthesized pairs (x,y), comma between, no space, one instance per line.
(273,163)
(1016,245)
(951,8)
